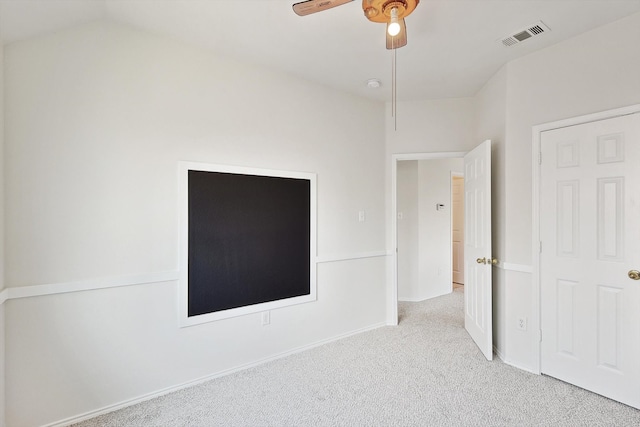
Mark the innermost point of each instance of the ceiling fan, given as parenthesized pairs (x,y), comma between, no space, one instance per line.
(391,12)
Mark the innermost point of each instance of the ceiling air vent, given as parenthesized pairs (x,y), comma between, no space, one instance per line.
(522,35)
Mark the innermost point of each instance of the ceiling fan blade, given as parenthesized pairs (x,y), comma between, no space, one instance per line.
(312,6)
(394,42)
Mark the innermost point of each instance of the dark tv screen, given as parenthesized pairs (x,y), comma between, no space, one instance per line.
(248,240)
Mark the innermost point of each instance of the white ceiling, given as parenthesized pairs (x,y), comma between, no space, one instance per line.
(454,45)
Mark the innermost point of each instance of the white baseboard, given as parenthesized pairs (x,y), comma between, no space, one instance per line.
(402,299)
(420,299)
(167,390)
(521,367)
(502,357)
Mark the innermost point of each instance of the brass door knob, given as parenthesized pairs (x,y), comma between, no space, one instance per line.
(494,261)
(481,260)
(634,274)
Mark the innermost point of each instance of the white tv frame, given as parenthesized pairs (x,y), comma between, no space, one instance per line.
(183,197)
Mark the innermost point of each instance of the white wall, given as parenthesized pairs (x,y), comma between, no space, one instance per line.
(408,231)
(422,127)
(596,71)
(97,119)
(2,285)
(432,126)
(441,125)
(424,234)
(435,262)
(491,114)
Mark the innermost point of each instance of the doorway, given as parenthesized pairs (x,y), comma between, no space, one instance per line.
(478,259)
(425,230)
(399,216)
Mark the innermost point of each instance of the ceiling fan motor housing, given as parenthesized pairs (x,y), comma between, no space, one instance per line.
(380,10)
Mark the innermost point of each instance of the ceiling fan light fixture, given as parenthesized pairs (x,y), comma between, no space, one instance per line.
(393,28)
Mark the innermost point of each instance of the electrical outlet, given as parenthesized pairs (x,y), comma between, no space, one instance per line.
(522,323)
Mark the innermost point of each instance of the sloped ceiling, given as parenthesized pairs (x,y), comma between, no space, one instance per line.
(454,45)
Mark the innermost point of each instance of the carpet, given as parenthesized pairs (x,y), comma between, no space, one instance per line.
(424,372)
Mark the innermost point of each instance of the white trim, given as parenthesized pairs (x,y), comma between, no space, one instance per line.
(588,118)
(521,367)
(428,156)
(95,284)
(348,257)
(184,167)
(392,308)
(451,179)
(89,285)
(522,268)
(535,204)
(165,391)
(403,299)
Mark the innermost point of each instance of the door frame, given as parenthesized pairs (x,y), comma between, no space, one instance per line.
(535,205)
(455,175)
(392,308)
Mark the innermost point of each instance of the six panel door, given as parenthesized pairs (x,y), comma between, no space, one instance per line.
(590,232)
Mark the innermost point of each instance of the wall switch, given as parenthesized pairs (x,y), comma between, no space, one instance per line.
(266,318)
(361,216)
(522,323)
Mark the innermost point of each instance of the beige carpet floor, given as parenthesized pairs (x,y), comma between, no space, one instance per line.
(424,372)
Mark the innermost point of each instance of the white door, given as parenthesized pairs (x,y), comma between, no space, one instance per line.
(477,247)
(457,228)
(590,231)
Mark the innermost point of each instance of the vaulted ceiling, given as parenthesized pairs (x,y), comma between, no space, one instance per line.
(454,46)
